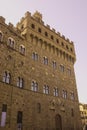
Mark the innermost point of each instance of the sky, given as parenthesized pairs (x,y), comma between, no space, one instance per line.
(69,17)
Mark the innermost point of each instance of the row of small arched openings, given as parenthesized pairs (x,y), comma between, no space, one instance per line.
(51,48)
(43,44)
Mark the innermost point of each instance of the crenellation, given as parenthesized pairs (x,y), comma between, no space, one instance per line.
(48,26)
(22,19)
(11,25)
(2,19)
(72,42)
(27,14)
(53,30)
(59,33)
(67,39)
(37,77)
(63,37)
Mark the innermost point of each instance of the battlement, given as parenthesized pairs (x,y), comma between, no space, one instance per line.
(2,19)
(37,16)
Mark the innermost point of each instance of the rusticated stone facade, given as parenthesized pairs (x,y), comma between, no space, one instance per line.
(37,80)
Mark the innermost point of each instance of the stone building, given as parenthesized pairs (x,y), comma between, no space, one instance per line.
(83,114)
(37,80)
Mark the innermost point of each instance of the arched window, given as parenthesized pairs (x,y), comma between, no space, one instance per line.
(34,86)
(1,36)
(20,82)
(39,30)
(35,56)
(54,65)
(33,26)
(55,92)
(22,49)
(64,94)
(11,42)
(45,60)
(46,89)
(46,34)
(6,77)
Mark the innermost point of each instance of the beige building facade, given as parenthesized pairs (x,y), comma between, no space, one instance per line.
(83,114)
(37,79)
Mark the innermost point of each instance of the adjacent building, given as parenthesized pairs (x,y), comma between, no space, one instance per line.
(37,79)
(83,113)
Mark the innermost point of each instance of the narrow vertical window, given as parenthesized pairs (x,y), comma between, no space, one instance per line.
(19,120)
(46,34)
(22,49)
(72,112)
(72,95)
(4,77)
(69,72)
(39,30)
(61,68)
(38,107)
(33,26)
(8,78)
(54,64)
(3,115)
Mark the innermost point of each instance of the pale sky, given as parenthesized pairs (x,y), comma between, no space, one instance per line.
(69,17)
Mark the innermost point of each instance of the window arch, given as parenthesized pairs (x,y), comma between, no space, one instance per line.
(55,92)
(35,56)
(33,26)
(20,82)
(45,60)
(46,34)
(1,36)
(6,77)
(11,42)
(64,94)
(46,89)
(22,49)
(34,86)
(54,64)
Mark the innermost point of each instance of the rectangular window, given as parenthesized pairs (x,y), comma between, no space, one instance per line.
(3,115)
(19,117)
(19,120)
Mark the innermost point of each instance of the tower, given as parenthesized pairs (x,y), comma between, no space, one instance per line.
(37,81)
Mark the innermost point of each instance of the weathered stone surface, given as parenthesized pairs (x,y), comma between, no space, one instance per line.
(54,112)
